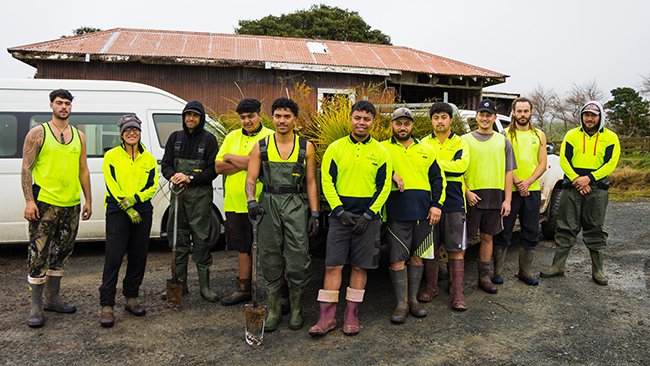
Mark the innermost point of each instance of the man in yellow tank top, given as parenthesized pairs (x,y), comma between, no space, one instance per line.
(53,174)
(489,186)
(285,163)
(529,146)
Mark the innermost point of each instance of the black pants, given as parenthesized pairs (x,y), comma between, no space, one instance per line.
(123,237)
(527,208)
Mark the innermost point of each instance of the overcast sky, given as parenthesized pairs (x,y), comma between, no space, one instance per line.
(552,43)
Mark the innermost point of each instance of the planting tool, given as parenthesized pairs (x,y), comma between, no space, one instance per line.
(255,314)
(175,286)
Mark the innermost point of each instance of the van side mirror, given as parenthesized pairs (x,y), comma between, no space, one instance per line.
(550,148)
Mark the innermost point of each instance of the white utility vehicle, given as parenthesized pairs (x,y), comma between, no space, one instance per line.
(96,108)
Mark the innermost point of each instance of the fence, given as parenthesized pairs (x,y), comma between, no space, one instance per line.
(629,145)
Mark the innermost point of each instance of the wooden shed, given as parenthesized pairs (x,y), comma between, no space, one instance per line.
(218,69)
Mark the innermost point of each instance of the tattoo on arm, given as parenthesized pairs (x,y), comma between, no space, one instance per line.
(31,148)
(250,190)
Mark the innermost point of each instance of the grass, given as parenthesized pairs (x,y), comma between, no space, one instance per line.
(629,184)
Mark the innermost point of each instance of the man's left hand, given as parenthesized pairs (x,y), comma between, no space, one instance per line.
(312,226)
(87,211)
(434,215)
(180,178)
(362,224)
(505,208)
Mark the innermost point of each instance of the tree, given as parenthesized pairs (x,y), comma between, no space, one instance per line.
(628,113)
(318,22)
(645,85)
(82,30)
(543,101)
(567,109)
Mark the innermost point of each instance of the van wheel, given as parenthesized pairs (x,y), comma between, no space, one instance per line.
(548,226)
(215,229)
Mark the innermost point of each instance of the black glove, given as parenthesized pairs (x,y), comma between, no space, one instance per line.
(255,209)
(312,225)
(361,224)
(347,218)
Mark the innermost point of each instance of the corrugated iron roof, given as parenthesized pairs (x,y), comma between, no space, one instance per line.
(244,48)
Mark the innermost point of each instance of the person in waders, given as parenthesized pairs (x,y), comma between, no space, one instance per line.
(529,145)
(452,154)
(356,179)
(588,156)
(412,209)
(232,164)
(54,156)
(488,186)
(189,161)
(285,163)
(131,176)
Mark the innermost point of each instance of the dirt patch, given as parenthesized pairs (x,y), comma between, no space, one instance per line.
(565,320)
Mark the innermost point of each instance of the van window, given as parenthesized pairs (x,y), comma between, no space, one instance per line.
(8,135)
(100,129)
(166,123)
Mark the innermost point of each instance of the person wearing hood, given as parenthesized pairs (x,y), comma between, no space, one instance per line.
(189,162)
(130,173)
(589,154)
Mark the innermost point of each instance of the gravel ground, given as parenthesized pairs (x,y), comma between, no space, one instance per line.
(565,320)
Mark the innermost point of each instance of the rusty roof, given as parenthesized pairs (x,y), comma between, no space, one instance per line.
(194,47)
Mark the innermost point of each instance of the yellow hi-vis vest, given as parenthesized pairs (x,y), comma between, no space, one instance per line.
(526,148)
(487,163)
(56,170)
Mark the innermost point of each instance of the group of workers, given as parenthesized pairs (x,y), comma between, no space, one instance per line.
(433,193)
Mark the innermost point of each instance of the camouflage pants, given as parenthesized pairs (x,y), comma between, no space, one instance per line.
(51,240)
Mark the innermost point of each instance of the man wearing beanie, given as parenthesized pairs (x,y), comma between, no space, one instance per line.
(589,155)
(189,162)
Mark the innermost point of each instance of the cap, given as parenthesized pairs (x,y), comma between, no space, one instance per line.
(192,110)
(591,107)
(402,112)
(487,105)
(129,120)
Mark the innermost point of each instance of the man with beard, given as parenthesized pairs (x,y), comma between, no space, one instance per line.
(285,163)
(412,208)
(356,178)
(488,186)
(529,146)
(589,154)
(54,155)
(452,154)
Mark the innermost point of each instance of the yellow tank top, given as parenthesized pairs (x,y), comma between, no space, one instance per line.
(487,163)
(526,148)
(56,170)
(274,154)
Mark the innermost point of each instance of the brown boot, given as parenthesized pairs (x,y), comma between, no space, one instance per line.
(525,262)
(456,271)
(107,319)
(431,273)
(484,281)
(415,276)
(499,256)
(242,292)
(399,285)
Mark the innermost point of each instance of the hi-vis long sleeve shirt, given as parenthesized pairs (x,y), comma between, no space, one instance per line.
(126,177)
(595,156)
(356,176)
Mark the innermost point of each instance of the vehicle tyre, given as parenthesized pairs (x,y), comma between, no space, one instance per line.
(548,226)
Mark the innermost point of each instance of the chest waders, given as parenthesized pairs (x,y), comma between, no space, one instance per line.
(194,218)
(283,242)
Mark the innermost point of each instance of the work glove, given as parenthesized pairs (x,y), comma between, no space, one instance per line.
(255,209)
(362,224)
(347,218)
(126,202)
(134,215)
(312,225)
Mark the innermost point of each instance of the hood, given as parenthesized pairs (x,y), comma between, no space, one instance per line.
(194,106)
(602,115)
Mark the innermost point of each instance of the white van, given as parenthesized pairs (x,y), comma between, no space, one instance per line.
(96,108)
